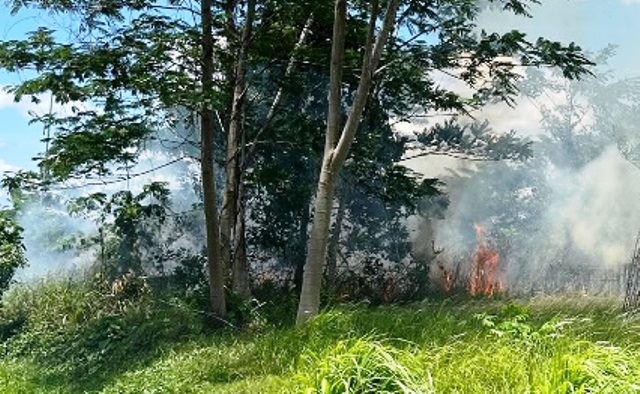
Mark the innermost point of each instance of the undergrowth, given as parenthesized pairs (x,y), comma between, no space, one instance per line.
(76,336)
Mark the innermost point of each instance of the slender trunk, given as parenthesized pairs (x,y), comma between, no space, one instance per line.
(240,267)
(309,304)
(334,242)
(337,144)
(231,195)
(240,283)
(317,247)
(299,249)
(215,269)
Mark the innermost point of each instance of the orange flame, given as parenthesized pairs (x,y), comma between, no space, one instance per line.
(485,268)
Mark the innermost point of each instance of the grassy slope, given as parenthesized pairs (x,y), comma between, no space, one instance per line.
(546,346)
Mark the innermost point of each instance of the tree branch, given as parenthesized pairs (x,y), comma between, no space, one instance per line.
(455,155)
(335,84)
(371,59)
(278,98)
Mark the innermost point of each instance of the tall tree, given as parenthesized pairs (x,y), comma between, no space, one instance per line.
(148,72)
(216,267)
(338,141)
(235,145)
(137,75)
(471,57)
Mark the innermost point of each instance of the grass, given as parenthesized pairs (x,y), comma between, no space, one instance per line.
(70,337)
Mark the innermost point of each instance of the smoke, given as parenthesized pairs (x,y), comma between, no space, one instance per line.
(596,208)
(541,217)
(59,244)
(564,220)
(49,237)
(567,219)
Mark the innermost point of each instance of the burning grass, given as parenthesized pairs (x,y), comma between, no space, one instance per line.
(485,268)
(484,275)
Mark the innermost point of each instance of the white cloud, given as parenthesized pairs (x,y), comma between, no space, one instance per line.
(25,106)
(630,1)
(5,167)
(6,99)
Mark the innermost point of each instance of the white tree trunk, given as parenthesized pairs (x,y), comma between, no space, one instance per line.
(338,143)
(317,246)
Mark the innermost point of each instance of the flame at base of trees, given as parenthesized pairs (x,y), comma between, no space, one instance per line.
(485,268)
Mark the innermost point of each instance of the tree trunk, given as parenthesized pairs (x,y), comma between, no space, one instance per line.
(240,283)
(334,242)
(337,144)
(215,268)
(317,247)
(299,249)
(232,184)
(237,257)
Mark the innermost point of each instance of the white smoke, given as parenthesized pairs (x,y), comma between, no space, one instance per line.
(48,227)
(567,221)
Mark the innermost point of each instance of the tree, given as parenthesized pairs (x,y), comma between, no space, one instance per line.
(12,249)
(133,219)
(152,69)
(129,70)
(248,126)
(146,72)
(593,112)
(472,58)
(373,191)
(338,142)
(215,266)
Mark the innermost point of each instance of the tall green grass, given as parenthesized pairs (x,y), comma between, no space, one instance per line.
(76,336)
(72,337)
(361,365)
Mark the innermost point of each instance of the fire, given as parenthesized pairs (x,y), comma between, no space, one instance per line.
(485,267)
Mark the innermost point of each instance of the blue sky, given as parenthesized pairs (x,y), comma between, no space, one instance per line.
(591,23)
(19,141)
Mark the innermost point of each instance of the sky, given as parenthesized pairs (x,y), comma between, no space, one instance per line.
(591,23)
(19,141)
